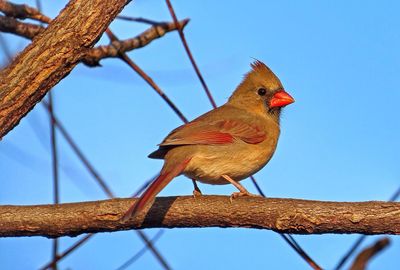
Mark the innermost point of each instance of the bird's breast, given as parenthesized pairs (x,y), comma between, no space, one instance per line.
(238,160)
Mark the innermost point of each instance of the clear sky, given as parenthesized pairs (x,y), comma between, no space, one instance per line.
(340,60)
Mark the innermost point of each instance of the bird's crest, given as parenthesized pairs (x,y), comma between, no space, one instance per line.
(260,68)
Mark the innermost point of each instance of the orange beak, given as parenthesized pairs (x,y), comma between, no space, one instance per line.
(280,99)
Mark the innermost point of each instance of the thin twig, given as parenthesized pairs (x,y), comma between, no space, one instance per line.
(299,250)
(139,254)
(137,19)
(257,186)
(150,245)
(147,78)
(395,195)
(79,153)
(187,49)
(67,251)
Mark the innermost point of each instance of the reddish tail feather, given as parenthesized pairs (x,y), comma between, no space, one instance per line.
(155,187)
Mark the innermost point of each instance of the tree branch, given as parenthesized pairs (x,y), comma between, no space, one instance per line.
(93,56)
(281,215)
(26,30)
(51,56)
(22,12)
(361,261)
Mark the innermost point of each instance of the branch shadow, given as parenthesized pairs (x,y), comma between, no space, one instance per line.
(155,216)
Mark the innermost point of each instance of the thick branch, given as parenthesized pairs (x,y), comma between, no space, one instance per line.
(51,56)
(281,215)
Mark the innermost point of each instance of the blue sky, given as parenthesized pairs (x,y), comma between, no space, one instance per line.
(339,60)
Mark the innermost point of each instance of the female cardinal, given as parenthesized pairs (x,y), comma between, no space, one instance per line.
(227,144)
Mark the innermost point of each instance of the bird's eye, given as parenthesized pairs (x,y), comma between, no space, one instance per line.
(262,91)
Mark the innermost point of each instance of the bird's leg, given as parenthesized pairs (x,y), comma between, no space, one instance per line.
(196,190)
(242,190)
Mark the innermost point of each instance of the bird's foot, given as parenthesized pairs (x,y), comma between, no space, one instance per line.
(242,194)
(196,191)
(242,191)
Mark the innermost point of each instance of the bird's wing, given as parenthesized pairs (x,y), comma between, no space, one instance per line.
(217,132)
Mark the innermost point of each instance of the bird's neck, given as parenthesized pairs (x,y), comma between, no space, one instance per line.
(260,111)
(275,114)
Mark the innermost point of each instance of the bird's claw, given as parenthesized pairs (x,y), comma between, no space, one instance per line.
(242,194)
(197,193)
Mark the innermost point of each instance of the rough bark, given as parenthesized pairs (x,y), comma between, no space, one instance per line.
(51,56)
(281,215)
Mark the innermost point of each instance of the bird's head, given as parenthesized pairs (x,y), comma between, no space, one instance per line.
(261,91)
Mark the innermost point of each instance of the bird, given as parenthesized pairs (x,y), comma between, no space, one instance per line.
(227,144)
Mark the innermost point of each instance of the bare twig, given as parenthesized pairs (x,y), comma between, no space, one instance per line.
(150,245)
(281,215)
(124,57)
(67,251)
(137,19)
(187,49)
(22,12)
(395,195)
(293,244)
(361,261)
(253,180)
(104,186)
(137,255)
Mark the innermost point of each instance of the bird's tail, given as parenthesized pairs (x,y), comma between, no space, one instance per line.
(155,187)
